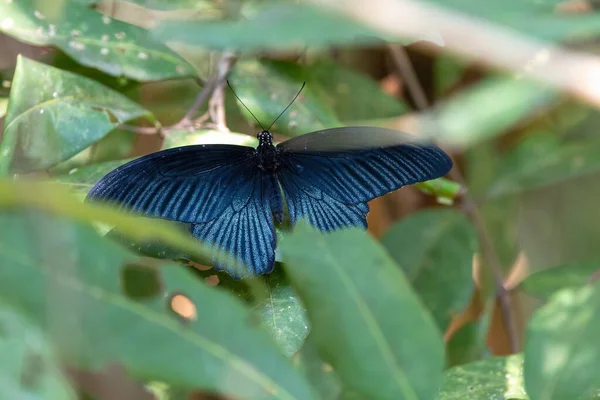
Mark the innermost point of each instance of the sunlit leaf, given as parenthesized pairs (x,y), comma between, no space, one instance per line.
(53,115)
(544,283)
(92,39)
(561,352)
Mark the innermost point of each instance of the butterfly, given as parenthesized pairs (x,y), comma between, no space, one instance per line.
(232,195)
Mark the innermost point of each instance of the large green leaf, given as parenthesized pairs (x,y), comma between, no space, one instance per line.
(485,110)
(535,18)
(207,136)
(92,39)
(100,304)
(561,351)
(82,179)
(29,369)
(499,378)
(321,375)
(275,304)
(365,320)
(545,158)
(544,283)
(53,115)
(289,26)
(267,87)
(435,249)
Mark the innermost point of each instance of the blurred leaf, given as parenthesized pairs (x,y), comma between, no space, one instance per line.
(28,368)
(441,187)
(82,179)
(435,249)
(50,198)
(561,352)
(500,378)
(319,373)
(534,18)
(276,305)
(94,40)
(52,115)
(200,351)
(200,5)
(543,284)
(290,26)
(351,95)
(448,71)
(485,110)
(544,158)
(207,136)
(267,87)
(353,292)
(469,343)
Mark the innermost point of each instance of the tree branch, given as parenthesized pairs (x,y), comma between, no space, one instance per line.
(405,67)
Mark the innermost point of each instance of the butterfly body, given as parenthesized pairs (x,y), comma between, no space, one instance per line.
(231,195)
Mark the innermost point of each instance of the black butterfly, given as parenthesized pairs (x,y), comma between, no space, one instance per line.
(231,194)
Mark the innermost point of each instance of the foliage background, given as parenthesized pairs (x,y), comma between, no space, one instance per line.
(477,285)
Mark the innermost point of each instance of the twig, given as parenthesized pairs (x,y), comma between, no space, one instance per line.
(407,71)
(572,71)
(405,67)
(212,87)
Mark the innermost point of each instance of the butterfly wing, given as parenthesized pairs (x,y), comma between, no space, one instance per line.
(188,184)
(244,229)
(219,189)
(328,176)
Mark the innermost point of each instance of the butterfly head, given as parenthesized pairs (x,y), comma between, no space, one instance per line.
(265,139)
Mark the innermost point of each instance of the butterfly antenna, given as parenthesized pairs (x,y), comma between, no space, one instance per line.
(289,105)
(242,103)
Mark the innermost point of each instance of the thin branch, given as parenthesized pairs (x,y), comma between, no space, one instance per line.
(407,71)
(405,67)
(211,87)
(572,71)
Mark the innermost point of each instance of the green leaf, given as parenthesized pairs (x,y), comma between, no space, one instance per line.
(276,305)
(29,369)
(207,136)
(319,373)
(435,249)
(500,378)
(290,26)
(545,158)
(543,284)
(105,292)
(82,179)
(51,199)
(353,292)
(94,40)
(534,18)
(486,110)
(196,5)
(267,87)
(561,352)
(442,188)
(351,95)
(53,115)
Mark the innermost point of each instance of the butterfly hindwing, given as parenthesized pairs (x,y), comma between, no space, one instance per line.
(244,230)
(188,184)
